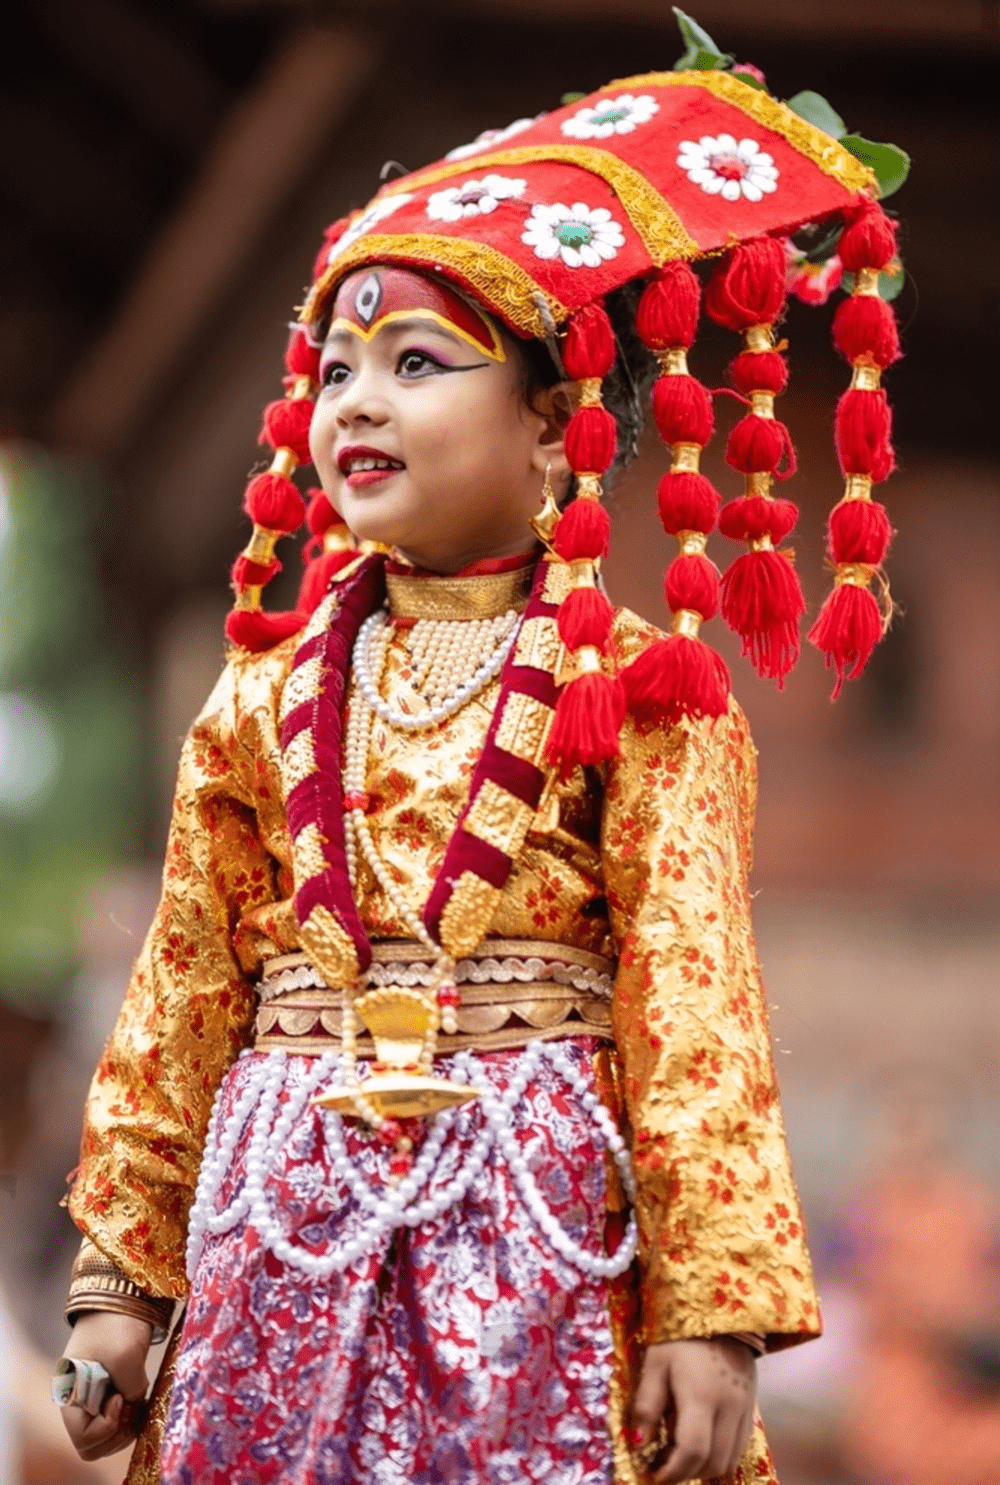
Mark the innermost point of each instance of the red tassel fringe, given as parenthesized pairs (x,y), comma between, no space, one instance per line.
(583,532)
(749,288)
(589,716)
(678,677)
(256,630)
(687,502)
(286,425)
(588,349)
(591,440)
(274,502)
(848,628)
(762,601)
(863,434)
(866,326)
(668,310)
(683,410)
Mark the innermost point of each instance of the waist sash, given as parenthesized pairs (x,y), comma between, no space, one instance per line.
(513,991)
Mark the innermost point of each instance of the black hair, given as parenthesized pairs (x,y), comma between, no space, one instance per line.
(626,387)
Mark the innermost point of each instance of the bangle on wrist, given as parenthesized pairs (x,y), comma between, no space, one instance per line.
(99,1284)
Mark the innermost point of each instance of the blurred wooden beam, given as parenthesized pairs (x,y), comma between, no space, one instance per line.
(164,87)
(855,22)
(269,140)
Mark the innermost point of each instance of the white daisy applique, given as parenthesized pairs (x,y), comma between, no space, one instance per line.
(580,235)
(369,218)
(725,167)
(474,198)
(620,114)
(490,138)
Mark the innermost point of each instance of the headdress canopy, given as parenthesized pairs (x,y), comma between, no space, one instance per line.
(538,223)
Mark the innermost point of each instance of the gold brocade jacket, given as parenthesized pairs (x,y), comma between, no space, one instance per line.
(646,861)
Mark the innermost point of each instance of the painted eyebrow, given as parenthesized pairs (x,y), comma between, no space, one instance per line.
(417,323)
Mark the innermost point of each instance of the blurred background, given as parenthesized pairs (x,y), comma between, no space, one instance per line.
(166,171)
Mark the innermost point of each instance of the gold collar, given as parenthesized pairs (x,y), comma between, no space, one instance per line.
(459,597)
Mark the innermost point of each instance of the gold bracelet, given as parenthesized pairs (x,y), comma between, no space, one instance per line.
(97,1283)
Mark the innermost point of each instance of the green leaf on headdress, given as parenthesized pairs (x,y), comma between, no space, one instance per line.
(815,110)
(890,164)
(571,98)
(702,53)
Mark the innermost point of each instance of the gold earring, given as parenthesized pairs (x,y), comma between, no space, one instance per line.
(545,523)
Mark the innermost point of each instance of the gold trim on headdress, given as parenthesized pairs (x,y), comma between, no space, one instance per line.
(503,284)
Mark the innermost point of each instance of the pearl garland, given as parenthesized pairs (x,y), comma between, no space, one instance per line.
(370,646)
(443,652)
(398,1206)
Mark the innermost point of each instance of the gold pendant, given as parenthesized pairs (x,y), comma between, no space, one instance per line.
(399,1021)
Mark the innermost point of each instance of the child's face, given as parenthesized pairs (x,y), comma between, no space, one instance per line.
(445,411)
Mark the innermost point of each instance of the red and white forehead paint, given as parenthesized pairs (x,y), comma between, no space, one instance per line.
(372,298)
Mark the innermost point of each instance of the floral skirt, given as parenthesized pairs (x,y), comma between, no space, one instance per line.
(325,1345)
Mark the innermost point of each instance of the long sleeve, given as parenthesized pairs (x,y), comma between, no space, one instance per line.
(722,1241)
(185,1017)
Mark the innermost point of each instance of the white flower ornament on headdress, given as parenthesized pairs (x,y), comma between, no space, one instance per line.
(580,235)
(723,167)
(490,138)
(620,114)
(369,218)
(474,198)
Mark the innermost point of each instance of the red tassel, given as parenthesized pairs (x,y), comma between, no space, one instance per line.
(286,425)
(583,532)
(273,501)
(255,630)
(693,582)
(752,516)
(863,434)
(749,286)
(589,715)
(683,410)
(585,617)
(247,574)
(301,357)
(865,325)
(759,371)
(590,441)
(317,577)
(687,502)
(668,310)
(848,628)
(322,513)
(758,445)
(589,347)
(859,531)
(678,676)
(870,240)
(762,600)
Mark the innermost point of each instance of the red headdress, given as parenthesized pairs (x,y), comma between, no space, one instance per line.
(537,224)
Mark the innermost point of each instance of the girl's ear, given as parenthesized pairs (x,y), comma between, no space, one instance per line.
(555,406)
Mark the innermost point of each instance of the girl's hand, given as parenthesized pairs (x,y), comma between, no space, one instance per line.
(707,1389)
(120,1343)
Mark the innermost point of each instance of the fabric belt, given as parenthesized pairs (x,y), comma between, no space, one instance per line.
(513,991)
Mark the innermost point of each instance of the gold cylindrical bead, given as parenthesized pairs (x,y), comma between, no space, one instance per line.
(853,575)
(866,282)
(686,456)
(673,360)
(582,574)
(285,462)
(762,403)
(588,486)
(858,487)
(865,377)
(761,543)
(260,547)
(249,599)
(759,483)
(590,391)
(758,338)
(303,386)
(692,543)
(687,621)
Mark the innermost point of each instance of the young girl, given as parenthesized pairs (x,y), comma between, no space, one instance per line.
(446,1059)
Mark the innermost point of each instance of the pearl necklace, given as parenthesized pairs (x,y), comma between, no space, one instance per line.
(445,652)
(369,656)
(396,1206)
